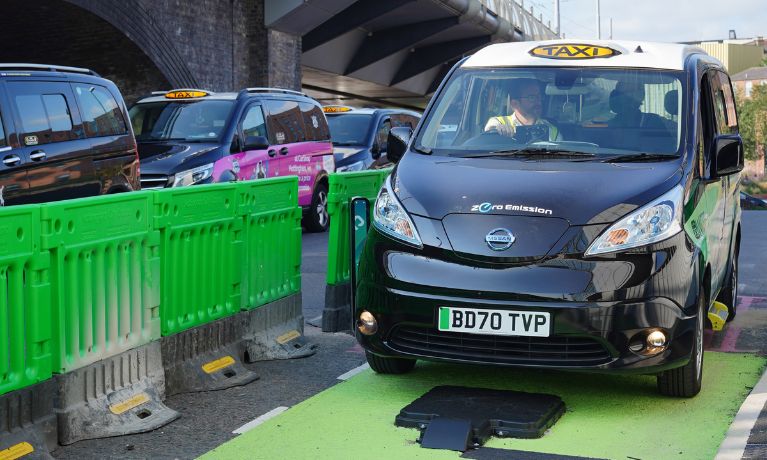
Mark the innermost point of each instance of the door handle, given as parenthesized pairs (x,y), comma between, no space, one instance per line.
(271,152)
(37,155)
(284,151)
(11,160)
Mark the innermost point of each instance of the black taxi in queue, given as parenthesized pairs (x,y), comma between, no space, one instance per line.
(581,213)
(360,134)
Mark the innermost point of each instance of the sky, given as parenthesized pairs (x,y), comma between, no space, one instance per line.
(658,20)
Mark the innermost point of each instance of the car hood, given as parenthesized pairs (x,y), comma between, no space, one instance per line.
(346,151)
(576,191)
(170,158)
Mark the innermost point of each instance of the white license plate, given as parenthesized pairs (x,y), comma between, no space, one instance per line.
(498,322)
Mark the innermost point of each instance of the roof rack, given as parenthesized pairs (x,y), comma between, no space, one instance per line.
(269,90)
(47,67)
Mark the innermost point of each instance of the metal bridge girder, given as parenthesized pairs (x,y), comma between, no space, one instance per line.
(383,43)
(356,15)
(424,58)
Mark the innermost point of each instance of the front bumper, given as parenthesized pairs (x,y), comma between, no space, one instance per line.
(593,320)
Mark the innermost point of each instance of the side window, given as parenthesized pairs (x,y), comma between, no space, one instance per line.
(100,112)
(45,118)
(383,134)
(706,122)
(315,123)
(286,125)
(3,142)
(253,123)
(731,116)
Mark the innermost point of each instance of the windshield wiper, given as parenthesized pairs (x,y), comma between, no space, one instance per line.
(424,150)
(640,157)
(530,152)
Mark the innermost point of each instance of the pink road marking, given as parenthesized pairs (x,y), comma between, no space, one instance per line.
(733,332)
(356,349)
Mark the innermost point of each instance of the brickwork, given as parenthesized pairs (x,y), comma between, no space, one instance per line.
(147,45)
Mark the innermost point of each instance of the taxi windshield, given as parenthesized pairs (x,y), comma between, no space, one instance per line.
(196,121)
(349,129)
(600,111)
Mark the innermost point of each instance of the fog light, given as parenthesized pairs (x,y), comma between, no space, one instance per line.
(367,323)
(656,342)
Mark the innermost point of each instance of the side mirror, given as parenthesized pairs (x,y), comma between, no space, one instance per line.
(727,157)
(397,143)
(378,149)
(256,143)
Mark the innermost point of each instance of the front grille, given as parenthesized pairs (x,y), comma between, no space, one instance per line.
(551,351)
(151,181)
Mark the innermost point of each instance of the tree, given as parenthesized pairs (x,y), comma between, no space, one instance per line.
(752,121)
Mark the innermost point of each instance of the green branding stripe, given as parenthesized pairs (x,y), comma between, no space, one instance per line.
(444,318)
(697,219)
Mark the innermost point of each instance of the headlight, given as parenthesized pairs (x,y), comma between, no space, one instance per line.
(391,218)
(193,176)
(656,221)
(356,166)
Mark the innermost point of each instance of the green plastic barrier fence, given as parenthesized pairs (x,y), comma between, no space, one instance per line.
(105,274)
(201,252)
(343,187)
(272,220)
(25,315)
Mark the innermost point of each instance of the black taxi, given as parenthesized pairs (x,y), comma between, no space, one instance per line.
(560,205)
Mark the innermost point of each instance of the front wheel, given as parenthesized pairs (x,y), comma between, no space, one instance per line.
(383,365)
(317,219)
(686,381)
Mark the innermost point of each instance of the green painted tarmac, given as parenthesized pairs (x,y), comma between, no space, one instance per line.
(608,416)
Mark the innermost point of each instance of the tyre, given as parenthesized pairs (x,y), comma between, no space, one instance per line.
(383,365)
(729,293)
(686,381)
(316,219)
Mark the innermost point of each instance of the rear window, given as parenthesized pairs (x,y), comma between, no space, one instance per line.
(314,122)
(100,111)
(285,121)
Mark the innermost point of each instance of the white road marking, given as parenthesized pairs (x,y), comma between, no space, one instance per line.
(259,420)
(353,372)
(734,444)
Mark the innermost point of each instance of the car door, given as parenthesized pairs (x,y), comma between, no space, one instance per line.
(51,135)
(112,147)
(718,217)
(254,164)
(728,125)
(14,187)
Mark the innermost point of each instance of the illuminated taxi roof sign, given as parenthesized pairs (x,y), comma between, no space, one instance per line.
(336,109)
(573,51)
(186,94)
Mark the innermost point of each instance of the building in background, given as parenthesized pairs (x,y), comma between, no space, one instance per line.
(745,81)
(736,54)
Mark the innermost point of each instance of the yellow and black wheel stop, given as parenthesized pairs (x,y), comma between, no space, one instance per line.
(717,314)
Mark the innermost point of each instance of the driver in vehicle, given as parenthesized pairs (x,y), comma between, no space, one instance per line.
(526,102)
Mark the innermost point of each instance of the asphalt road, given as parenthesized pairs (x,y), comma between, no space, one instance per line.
(208,419)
